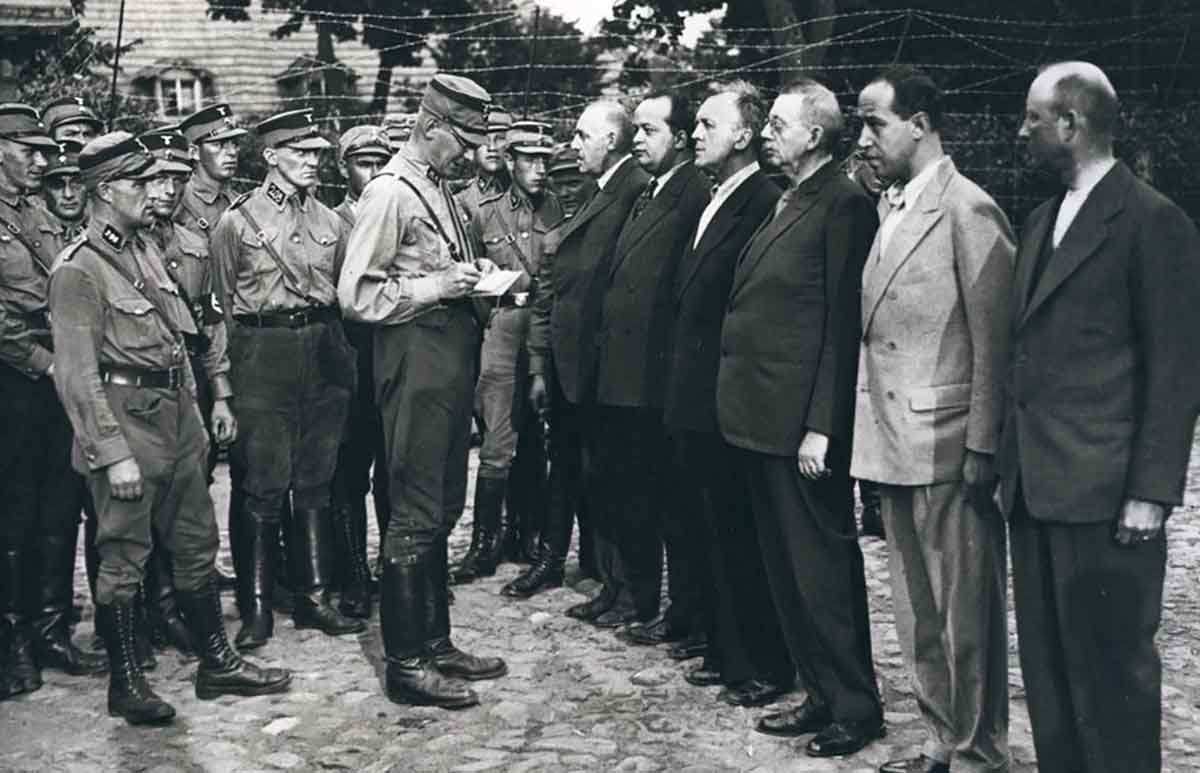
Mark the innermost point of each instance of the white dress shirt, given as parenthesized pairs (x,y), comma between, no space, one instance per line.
(603,179)
(903,197)
(1076,196)
(720,196)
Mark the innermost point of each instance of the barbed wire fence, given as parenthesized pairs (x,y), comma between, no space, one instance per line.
(984,65)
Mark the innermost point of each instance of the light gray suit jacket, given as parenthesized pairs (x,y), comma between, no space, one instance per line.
(935,336)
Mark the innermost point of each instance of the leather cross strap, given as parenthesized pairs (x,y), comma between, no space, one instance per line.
(20,236)
(455,254)
(289,279)
(139,285)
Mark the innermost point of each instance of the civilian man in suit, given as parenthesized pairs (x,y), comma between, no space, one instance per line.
(566,313)
(935,335)
(733,618)
(1103,395)
(631,347)
(785,392)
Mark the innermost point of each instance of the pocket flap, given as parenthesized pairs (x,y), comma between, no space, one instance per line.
(940,397)
(138,307)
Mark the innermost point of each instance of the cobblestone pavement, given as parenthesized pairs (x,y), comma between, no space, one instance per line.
(576,699)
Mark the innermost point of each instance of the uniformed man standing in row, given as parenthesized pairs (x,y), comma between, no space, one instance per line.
(490,177)
(63,192)
(277,254)
(363,151)
(121,370)
(186,261)
(398,127)
(411,264)
(69,118)
(511,225)
(40,493)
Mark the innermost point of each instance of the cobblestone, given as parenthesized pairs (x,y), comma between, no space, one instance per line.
(576,698)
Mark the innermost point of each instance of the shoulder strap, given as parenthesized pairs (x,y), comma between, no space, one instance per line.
(202,222)
(450,245)
(20,236)
(289,279)
(139,285)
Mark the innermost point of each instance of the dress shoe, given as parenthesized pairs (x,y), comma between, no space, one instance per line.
(617,616)
(920,764)
(593,607)
(661,630)
(694,646)
(843,738)
(808,717)
(752,692)
(704,675)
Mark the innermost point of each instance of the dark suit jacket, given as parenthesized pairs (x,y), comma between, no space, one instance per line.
(701,291)
(566,304)
(789,343)
(636,309)
(1102,390)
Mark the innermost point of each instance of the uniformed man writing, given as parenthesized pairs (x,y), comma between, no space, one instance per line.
(363,151)
(41,495)
(121,370)
(511,226)
(410,265)
(277,253)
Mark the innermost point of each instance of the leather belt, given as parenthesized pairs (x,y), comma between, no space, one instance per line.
(171,378)
(294,318)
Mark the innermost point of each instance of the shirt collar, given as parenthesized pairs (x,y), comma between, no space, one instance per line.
(911,191)
(661,181)
(734,180)
(205,189)
(280,193)
(108,235)
(1089,177)
(603,179)
(14,202)
(517,199)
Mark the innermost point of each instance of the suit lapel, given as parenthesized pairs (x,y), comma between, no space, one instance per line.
(1086,234)
(728,215)
(636,229)
(1027,256)
(882,266)
(600,201)
(797,208)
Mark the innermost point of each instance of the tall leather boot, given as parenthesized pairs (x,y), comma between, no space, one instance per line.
(547,571)
(485,535)
(50,610)
(222,670)
(311,559)
(162,609)
(143,647)
(447,658)
(411,676)
(129,695)
(283,600)
(356,575)
(18,669)
(256,581)
(526,501)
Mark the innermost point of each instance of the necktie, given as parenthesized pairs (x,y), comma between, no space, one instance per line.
(783,202)
(644,200)
(895,199)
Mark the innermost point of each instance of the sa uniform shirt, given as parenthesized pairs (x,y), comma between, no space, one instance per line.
(99,318)
(202,205)
(513,232)
(29,240)
(305,234)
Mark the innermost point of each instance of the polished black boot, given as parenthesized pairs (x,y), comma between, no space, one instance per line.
(18,669)
(166,627)
(547,570)
(411,675)
(447,658)
(311,559)
(356,575)
(143,646)
(256,582)
(484,554)
(129,695)
(50,610)
(526,501)
(222,670)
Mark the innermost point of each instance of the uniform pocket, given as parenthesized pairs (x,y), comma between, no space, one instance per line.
(940,397)
(143,404)
(133,324)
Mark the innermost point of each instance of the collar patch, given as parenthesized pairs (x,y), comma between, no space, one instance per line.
(113,237)
(276,194)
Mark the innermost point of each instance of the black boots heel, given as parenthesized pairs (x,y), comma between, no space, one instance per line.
(50,615)
(129,695)
(311,552)
(483,556)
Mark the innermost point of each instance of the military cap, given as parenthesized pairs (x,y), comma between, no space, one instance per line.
(531,137)
(20,123)
(116,156)
(461,103)
(66,161)
(399,126)
(211,124)
(170,147)
(498,121)
(565,159)
(68,110)
(364,140)
(293,128)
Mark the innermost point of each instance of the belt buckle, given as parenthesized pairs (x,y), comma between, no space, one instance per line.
(298,318)
(173,378)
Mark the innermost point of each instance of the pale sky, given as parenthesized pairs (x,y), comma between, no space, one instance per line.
(588,14)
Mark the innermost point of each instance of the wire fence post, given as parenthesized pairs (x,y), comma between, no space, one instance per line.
(537,18)
(112,94)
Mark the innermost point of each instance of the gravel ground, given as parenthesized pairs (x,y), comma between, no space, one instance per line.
(575,699)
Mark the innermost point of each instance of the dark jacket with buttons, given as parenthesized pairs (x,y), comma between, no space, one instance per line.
(789,343)
(29,239)
(700,294)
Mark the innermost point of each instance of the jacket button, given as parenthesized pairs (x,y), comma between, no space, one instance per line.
(892,295)
(892,345)
(891,395)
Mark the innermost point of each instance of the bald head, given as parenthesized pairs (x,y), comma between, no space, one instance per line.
(1082,89)
(603,134)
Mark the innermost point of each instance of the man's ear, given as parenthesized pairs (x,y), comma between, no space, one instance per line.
(270,156)
(920,125)
(194,152)
(680,140)
(103,192)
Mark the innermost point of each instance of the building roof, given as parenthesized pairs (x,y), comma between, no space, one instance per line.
(35,15)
